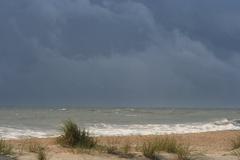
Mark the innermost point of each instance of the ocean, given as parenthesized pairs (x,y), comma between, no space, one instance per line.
(24,122)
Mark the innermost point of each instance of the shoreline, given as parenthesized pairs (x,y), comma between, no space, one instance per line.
(197,140)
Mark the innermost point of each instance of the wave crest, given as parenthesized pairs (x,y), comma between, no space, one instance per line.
(102,129)
(159,129)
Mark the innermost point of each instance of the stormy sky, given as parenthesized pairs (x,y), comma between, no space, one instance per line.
(120,52)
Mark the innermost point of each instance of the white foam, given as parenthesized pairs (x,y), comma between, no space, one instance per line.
(102,129)
(62,109)
(15,133)
(159,129)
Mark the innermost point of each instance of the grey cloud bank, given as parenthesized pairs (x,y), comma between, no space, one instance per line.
(120,52)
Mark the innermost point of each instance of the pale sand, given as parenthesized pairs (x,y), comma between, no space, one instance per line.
(216,145)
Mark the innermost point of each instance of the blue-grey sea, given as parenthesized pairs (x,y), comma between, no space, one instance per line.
(23,122)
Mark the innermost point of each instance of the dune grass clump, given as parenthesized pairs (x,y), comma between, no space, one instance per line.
(41,154)
(126,148)
(122,152)
(236,147)
(236,143)
(149,149)
(236,152)
(5,149)
(111,149)
(73,136)
(34,147)
(166,144)
(184,152)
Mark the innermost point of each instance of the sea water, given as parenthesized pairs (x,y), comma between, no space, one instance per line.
(23,122)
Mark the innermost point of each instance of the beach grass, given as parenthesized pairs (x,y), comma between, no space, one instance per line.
(73,136)
(34,147)
(236,146)
(111,149)
(149,149)
(126,148)
(165,144)
(5,148)
(184,152)
(41,154)
(236,142)
(236,152)
(122,152)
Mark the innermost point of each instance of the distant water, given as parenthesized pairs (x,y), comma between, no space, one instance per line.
(45,122)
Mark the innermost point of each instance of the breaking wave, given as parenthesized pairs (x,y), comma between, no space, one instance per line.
(17,133)
(159,129)
(102,129)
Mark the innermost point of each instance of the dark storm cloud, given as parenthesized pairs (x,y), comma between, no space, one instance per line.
(119,52)
(214,23)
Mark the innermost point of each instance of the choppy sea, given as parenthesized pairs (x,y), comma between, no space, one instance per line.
(23,122)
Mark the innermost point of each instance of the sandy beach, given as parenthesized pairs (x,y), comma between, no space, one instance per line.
(211,145)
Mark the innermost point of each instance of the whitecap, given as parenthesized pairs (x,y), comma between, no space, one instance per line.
(160,129)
